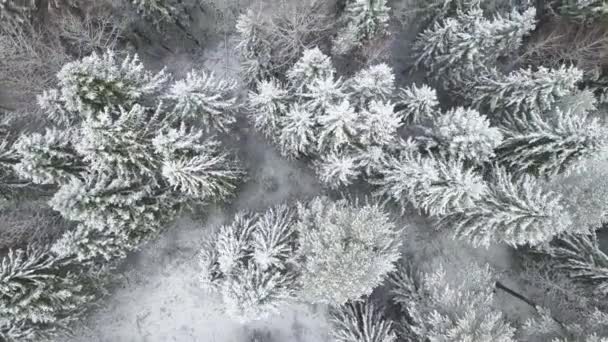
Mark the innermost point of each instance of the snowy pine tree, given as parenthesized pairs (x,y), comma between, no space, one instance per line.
(205,97)
(337,170)
(38,297)
(544,327)
(525,90)
(516,212)
(124,162)
(360,322)
(431,184)
(347,249)
(417,103)
(548,146)
(582,258)
(459,47)
(465,133)
(455,307)
(364,20)
(249,263)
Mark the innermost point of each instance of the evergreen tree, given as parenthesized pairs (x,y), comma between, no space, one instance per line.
(516,212)
(250,263)
(358,240)
(337,170)
(581,256)
(125,163)
(455,307)
(431,184)
(458,47)
(205,97)
(376,82)
(267,103)
(379,124)
(545,328)
(360,322)
(464,133)
(548,146)
(417,103)
(525,90)
(38,297)
(364,20)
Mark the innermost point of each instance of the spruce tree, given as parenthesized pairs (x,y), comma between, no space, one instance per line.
(360,321)
(124,162)
(363,20)
(250,263)
(525,90)
(547,145)
(359,240)
(431,184)
(39,297)
(512,211)
(465,133)
(455,307)
(456,48)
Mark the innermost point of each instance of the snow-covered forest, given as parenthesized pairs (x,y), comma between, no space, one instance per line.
(304,170)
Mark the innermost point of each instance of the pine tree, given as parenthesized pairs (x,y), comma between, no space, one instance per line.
(347,249)
(205,97)
(458,47)
(38,297)
(544,327)
(365,20)
(417,103)
(360,322)
(339,127)
(456,307)
(431,184)
(516,212)
(585,11)
(548,146)
(267,103)
(249,263)
(584,194)
(525,90)
(96,82)
(313,65)
(376,82)
(48,158)
(338,169)
(465,133)
(580,255)
(379,124)
(124,162)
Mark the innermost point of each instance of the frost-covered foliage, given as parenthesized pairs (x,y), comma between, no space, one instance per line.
(363,20)
(584,193)
(250,263)
(324,251)
(586,11)
(464,133)
(547,145)
(320,116)
(582,258)
(458,306)
(162,10)
(206,97)
(270,40)
(509,212)
(460,47)
(123,162)
(347,249)
(431,184)
(544,327)
(525,90)
(360,321)
(513,211)
(38,297)
(417,103)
